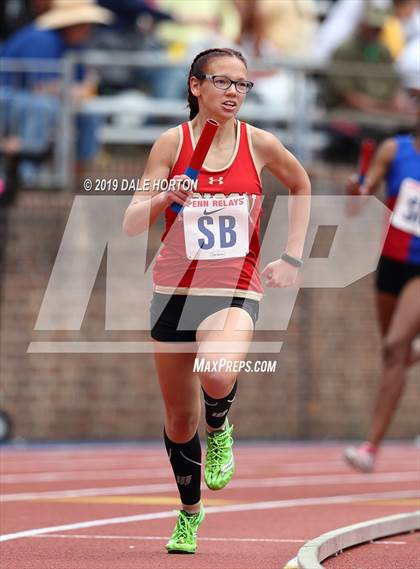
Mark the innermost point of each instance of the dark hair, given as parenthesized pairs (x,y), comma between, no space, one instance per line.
(198,68)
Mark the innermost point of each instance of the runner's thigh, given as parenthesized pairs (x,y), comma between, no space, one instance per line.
(405,323)
(226,333)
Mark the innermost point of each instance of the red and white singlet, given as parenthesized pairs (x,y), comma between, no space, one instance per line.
(212,246)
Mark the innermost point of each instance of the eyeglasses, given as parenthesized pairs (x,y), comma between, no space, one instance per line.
(222,82)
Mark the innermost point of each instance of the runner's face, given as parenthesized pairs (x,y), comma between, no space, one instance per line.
(77,35)
(218,103)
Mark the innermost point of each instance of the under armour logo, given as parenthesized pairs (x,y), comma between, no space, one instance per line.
(218,180)
(183,480)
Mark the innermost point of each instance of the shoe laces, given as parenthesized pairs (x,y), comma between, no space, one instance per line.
(219,443)
(185,528)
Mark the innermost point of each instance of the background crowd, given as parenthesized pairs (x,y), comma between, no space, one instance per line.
(312,33)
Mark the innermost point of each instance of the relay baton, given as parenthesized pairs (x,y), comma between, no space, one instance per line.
(199,155)
(367,150)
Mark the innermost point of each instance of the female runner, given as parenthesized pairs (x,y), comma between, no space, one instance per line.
(207,284)
(397,282)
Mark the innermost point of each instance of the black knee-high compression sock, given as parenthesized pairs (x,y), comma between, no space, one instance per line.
(217,409)
(185,459)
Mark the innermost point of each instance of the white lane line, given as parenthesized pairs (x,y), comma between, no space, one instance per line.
(244,483)
(38,465)
(65,465)
(326,479)
(278,482)
(82,525)
(25,457)
(164,472)
(131,473)
(8,468)
(301,454)
(113,491)
(141,459)
(157,537)
(340,464)
(314,480)
(160,466)
(148,537)
(346,499)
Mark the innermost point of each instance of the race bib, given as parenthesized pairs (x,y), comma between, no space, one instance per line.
(216,228)
(406,214)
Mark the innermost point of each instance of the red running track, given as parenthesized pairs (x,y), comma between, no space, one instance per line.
(111,507)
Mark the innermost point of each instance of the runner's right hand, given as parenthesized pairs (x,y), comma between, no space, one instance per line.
(178,194)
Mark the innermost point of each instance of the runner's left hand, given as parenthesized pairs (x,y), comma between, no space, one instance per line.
(279,274)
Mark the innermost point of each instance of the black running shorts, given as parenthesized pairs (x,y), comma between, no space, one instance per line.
(392,276)
(167,314)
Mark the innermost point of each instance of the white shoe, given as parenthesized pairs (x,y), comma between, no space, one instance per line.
(361,458)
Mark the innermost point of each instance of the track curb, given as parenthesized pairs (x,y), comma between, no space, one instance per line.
(316,550)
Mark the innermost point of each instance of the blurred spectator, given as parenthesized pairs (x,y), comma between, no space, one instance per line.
(127,12)
(401,26)
(340,24)
(30,100)
(286,27)
(132,30)
(196,26)
(249,28)
(278,28)
(370,94)
(408,66)
(364,93)
(15,14)
(12,16)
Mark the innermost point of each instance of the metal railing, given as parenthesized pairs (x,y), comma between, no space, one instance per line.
(300,127)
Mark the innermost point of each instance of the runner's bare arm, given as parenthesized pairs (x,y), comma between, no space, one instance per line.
(288,170)
(148,202)
(376,173)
